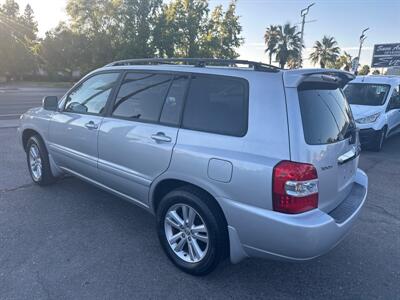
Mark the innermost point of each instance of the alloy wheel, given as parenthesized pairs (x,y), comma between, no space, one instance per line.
(35,162)
(186,233)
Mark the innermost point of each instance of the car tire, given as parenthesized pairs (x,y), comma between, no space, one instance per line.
(380,140)
(204,256)
(38,161)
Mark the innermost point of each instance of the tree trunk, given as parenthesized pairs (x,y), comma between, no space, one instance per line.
(270,58)
(322,63)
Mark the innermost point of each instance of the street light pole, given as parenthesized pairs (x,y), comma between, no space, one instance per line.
(363,37)
(303,14)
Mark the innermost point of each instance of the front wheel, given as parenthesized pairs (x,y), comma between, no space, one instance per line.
(191,231)
(38,161)
(380,140)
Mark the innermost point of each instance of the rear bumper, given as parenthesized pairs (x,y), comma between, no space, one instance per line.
(256,232)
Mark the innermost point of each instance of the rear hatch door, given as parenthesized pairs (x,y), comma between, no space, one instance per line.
(323,131)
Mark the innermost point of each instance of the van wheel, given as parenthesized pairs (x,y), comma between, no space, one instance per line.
(38,161)
(380,140)
(190,230)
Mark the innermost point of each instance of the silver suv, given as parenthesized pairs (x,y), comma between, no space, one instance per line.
(235,158)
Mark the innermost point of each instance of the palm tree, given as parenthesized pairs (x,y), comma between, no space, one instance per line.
(343,61)
(346,60)
(271,38)
(325,51)
(289,44)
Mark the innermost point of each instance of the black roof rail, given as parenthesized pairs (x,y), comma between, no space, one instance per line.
(197,62)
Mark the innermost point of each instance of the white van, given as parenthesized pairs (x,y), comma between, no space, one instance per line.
(375,102)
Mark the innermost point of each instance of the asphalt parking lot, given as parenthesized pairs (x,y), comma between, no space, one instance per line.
(73,241)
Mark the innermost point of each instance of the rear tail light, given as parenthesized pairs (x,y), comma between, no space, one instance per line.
(295,187)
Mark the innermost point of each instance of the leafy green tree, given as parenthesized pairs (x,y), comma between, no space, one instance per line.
(342,62)
(137,19)
(100,31)
(18,34)
(223,33)
(376,72)
(186,24)
(10,9)
(325,52)
(271,38)
(289,44)
(187,28)
(98,21)
(65,51)
(364,70)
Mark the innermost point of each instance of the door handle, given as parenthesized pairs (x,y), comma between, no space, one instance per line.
(91,125)
(161,137)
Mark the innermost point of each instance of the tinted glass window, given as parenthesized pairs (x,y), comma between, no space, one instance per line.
(142,96)
(366,93)
(217,104)
(92,95)
(326,115)
(174,102)
(395,99)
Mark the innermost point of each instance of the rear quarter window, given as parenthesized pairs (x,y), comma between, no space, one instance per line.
(326,115)
(217,104)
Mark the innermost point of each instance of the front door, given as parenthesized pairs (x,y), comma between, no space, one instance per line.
(393,111)
(137,140)
(74,129)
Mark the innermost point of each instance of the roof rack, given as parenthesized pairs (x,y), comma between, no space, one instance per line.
(197,62)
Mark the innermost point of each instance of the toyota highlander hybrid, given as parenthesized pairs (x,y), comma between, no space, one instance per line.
(234,158)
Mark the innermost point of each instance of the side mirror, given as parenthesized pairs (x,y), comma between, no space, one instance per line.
(50,103)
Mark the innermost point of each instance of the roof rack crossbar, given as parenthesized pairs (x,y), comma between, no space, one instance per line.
(197,62)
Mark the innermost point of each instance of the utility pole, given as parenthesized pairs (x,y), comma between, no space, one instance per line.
(303,14)
(363,37)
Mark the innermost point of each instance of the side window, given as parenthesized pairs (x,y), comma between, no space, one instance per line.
(174,102)
(91,96)
(394,101)
(142,96)
(217,104)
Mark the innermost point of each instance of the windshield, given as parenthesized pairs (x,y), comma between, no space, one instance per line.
(366,93)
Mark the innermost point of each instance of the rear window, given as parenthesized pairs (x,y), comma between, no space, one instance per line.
(326,115)
(217,104)
(366,93)
(141,96)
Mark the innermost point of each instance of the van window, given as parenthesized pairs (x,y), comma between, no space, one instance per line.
(394,102)
(326,115)
(366,93)
(141,96)
(217,104)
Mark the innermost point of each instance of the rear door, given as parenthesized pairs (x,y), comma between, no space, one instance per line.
(323,133)
(136,140)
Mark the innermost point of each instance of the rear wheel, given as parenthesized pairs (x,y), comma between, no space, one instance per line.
(380,140)
(191,231)
(38,161)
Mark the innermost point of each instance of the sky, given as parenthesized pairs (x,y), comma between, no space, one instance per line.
(343,19)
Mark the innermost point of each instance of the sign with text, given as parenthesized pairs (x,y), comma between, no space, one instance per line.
(386,56)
